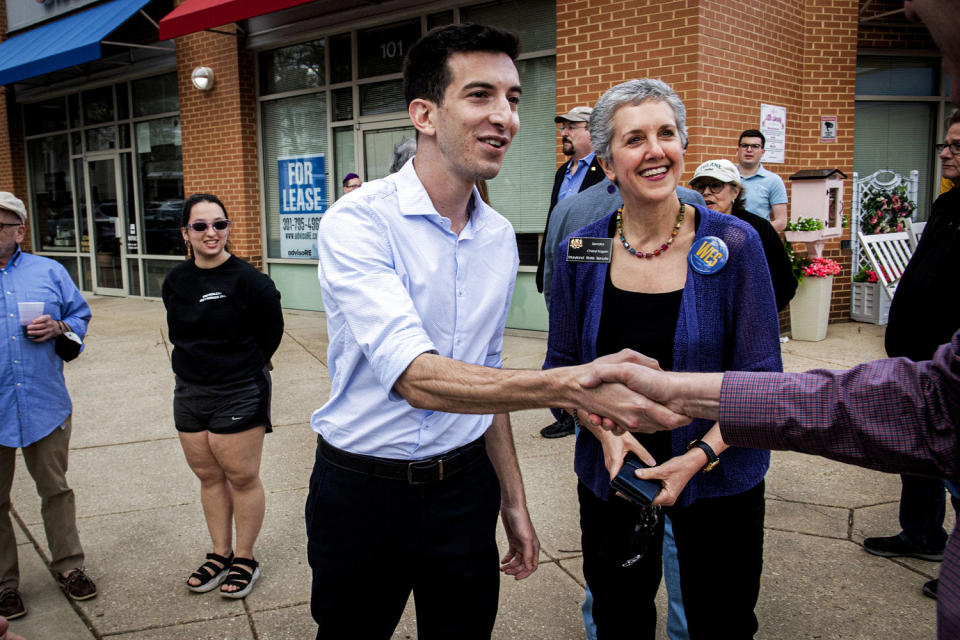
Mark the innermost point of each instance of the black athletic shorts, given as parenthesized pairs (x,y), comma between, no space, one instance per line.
(223,408)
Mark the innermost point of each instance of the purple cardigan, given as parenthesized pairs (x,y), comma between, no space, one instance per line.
(727,321)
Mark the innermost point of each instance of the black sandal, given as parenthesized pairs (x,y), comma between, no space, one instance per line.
(241,577)
(210,574)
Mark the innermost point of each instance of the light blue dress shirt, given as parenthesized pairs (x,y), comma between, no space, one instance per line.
(33,396)
(571,183)
(397,282)
(763,190)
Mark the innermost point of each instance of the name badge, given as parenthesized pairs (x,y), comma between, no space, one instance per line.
(708,255)
(590,250)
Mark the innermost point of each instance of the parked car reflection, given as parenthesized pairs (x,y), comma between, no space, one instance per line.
(161,227)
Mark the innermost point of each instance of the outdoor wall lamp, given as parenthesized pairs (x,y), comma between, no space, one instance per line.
(202,78)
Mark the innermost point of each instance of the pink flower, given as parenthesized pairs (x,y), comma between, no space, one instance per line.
(899,226)
(821,268)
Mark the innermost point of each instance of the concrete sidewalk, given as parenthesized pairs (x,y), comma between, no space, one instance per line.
(143,531)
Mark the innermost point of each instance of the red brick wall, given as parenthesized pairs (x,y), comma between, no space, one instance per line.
(891,32)
(725,58)
(220,133)
(13,174)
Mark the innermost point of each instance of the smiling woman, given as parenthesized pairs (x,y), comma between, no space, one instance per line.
(225,323)
(688,287)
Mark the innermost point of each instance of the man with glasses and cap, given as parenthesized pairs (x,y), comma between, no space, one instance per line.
(580,172)
(35,407)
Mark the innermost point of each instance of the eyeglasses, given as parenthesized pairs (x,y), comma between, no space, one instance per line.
(200,227)
(713,186)
(570,126)
(751,147)
(953,146)
(9,224)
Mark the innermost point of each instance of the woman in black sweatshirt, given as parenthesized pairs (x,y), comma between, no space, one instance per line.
(225,323)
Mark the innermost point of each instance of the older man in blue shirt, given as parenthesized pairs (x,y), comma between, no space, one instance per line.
(35,407)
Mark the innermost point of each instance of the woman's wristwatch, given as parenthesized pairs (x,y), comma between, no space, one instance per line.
(712,458)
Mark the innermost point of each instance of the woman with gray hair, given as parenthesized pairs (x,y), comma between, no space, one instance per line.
(688,287)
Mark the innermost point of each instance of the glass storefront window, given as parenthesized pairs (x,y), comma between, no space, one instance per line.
(156,95)
(102,138)
(161,185)
(154,272)
(133,273)
(135,180)
(341,69)
(382,97)
(52,197)
(298,67)
(439,19)
(343,156)
(44,117)
(98,106)
(343,104)
(291,127)
(882,76)
(70,264)
(73,100)
(534,20)
(518,190)
(123,103)
(80,195)
(380,50)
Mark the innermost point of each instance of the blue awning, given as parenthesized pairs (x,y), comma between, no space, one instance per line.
(66,42)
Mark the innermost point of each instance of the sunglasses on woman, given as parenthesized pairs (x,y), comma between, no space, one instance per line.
(200,227)
(713,186)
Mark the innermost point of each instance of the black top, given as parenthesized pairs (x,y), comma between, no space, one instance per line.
(644,322)
(781,271)
(225,323)
(925,311)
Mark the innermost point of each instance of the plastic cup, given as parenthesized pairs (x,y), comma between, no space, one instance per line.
(29,311)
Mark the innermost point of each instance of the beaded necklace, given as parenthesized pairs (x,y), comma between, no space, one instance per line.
(655,252)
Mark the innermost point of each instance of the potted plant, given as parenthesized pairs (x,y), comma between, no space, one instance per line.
(868,303)
(810,308)
(804,230)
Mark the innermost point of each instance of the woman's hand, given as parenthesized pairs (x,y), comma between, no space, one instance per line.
(616,448)
(674,474)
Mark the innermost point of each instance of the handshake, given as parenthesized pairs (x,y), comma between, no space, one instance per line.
(627,391)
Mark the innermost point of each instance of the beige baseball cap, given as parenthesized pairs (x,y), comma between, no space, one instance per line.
(13,204)
(577,114)
(721,169)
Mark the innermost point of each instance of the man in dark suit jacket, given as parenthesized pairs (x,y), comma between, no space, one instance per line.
(580,172)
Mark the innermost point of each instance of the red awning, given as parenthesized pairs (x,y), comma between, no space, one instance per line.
(197,15)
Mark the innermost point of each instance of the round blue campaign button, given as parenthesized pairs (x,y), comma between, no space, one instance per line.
(708,255)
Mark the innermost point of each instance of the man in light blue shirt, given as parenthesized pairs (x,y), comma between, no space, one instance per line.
(35,407)
(415,453)
(766,196)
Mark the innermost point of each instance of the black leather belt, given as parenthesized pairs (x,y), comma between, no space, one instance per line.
(411,472)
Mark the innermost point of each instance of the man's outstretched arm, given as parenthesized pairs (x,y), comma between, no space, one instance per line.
(894,415)
(442,384)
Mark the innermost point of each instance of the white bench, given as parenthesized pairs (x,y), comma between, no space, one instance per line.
(888,255)
(914,231)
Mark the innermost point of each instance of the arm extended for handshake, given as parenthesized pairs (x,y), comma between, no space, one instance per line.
(893,415)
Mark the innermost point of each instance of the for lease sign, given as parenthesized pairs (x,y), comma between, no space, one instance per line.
(303,199)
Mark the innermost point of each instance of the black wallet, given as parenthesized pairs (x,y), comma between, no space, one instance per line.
(635,489)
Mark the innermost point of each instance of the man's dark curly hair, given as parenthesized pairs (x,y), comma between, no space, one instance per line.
(425,70)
